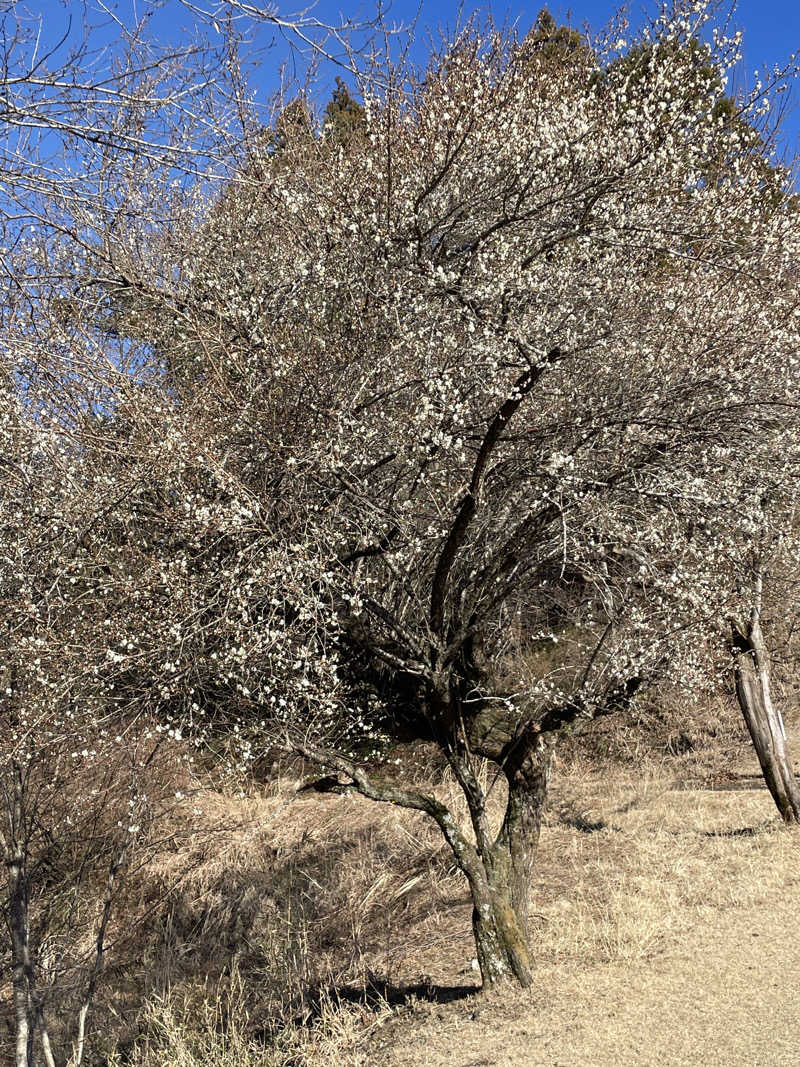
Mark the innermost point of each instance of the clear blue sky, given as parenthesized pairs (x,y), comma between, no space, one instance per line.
(771,27)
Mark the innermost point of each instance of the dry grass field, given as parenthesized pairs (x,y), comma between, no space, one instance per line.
(668,939)
(307,929)
(277,928)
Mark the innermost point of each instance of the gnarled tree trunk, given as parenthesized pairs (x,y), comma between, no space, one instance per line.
(751,667)
(501,940)
(502,933)
(498,869)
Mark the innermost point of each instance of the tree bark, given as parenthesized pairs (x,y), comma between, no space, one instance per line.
(751,667)
(500,924)
(501,941)
(528,780)
(18,925)
(493,869)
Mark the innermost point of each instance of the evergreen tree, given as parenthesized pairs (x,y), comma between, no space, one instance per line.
(293,124)
(344,116)
(550,43)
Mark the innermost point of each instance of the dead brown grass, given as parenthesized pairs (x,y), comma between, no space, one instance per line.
(292,928)
(663,932)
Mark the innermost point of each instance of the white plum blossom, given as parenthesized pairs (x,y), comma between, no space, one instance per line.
(459,429)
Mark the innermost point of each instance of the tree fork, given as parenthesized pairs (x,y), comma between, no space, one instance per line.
(469,505)
(501,937)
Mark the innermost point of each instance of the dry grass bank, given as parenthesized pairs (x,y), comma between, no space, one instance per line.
(306,928)
(285,929)
(666,939)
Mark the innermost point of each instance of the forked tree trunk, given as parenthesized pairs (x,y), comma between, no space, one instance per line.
(500,920)
(498,869)
(751,666)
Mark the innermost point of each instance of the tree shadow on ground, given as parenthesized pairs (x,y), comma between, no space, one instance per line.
(568,815)
(377,991)
(372,994)
(741,783)
(585,825)
(743,831)
(298,923)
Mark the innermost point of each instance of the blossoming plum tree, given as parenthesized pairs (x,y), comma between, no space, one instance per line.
(75,788)
(505,358)
(456,429)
